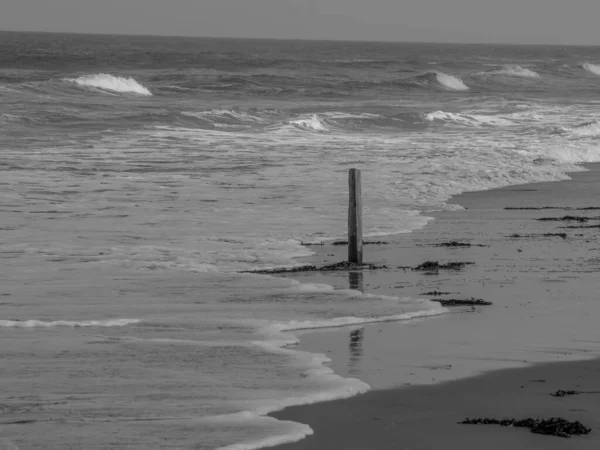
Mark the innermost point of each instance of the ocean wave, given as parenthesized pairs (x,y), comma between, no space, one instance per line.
(451,82)
(589,129)
(313,123)
(111,83)
(592,68)
(436,79)
(34,323)
(475,120)
(512,70)
(235,115)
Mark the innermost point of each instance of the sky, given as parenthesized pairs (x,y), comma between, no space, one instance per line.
(484,21)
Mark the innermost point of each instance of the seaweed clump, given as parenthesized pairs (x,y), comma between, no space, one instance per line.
(341,266)
(554,426)
(431,266)
(562,235)
(568,218)
(561,393)
(582,226)
(460,302)
(364,243)
(455,244)
(566,208)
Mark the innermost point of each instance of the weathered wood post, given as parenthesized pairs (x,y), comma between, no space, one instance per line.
(355,245)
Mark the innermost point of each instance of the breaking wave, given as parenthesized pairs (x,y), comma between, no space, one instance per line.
(33,323)
(511,70)
(112,83)
(472,120)
(451,82)
(313,123)
(592,68)
(588,129)
(438,79)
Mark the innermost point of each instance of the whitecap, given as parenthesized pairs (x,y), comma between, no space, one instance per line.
(451,82)
(111,83)
(314,123)
(513,70)
(592,68)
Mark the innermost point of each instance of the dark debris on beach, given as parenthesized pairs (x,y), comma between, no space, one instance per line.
(462,302)
(336,243)
(562,235)
(555,426)
(340,266)
(455,244)
(364,243)
(568,218)
(562,393)
(436,293)
(565,208)
(582,226)
(433,266)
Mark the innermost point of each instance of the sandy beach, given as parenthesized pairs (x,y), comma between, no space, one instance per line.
(496,361)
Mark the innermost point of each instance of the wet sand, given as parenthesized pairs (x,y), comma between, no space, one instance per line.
(545,309)
(425,417)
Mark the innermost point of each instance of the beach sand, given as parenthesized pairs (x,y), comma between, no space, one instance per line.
(541,326)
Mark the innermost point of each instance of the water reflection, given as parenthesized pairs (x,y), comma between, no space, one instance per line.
(356,350)
(356,281)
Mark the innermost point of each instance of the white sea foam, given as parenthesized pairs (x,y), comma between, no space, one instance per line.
(468,119)
(299,432)
(513,70)
(451,82)
(338,322)
(237,115)
(33,323)
(590,129)
(111,83)
(592,68)
(313,123)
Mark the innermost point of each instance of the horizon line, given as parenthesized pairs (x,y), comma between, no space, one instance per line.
(382,41)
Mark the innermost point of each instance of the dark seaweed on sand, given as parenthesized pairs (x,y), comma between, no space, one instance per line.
(341,266)
(582,226)
(454,244)
(568,218)
(462,302)
(434,266)
(562,235)
(566,208)
(554,426)
(364,243)
(561,393)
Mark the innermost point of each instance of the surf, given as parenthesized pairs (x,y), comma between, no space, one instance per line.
(592,68)
(512,70)
(111,83)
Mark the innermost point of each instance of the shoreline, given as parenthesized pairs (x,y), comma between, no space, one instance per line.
(388,376)
(426,417)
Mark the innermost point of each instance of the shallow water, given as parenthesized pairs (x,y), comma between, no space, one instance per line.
(140,174)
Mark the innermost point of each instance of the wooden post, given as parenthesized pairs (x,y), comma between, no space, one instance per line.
(355,245)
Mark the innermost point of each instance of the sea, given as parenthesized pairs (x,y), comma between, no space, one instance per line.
(143,176)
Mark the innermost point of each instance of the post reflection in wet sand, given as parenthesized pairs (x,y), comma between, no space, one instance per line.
(356,281)
(356,350)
